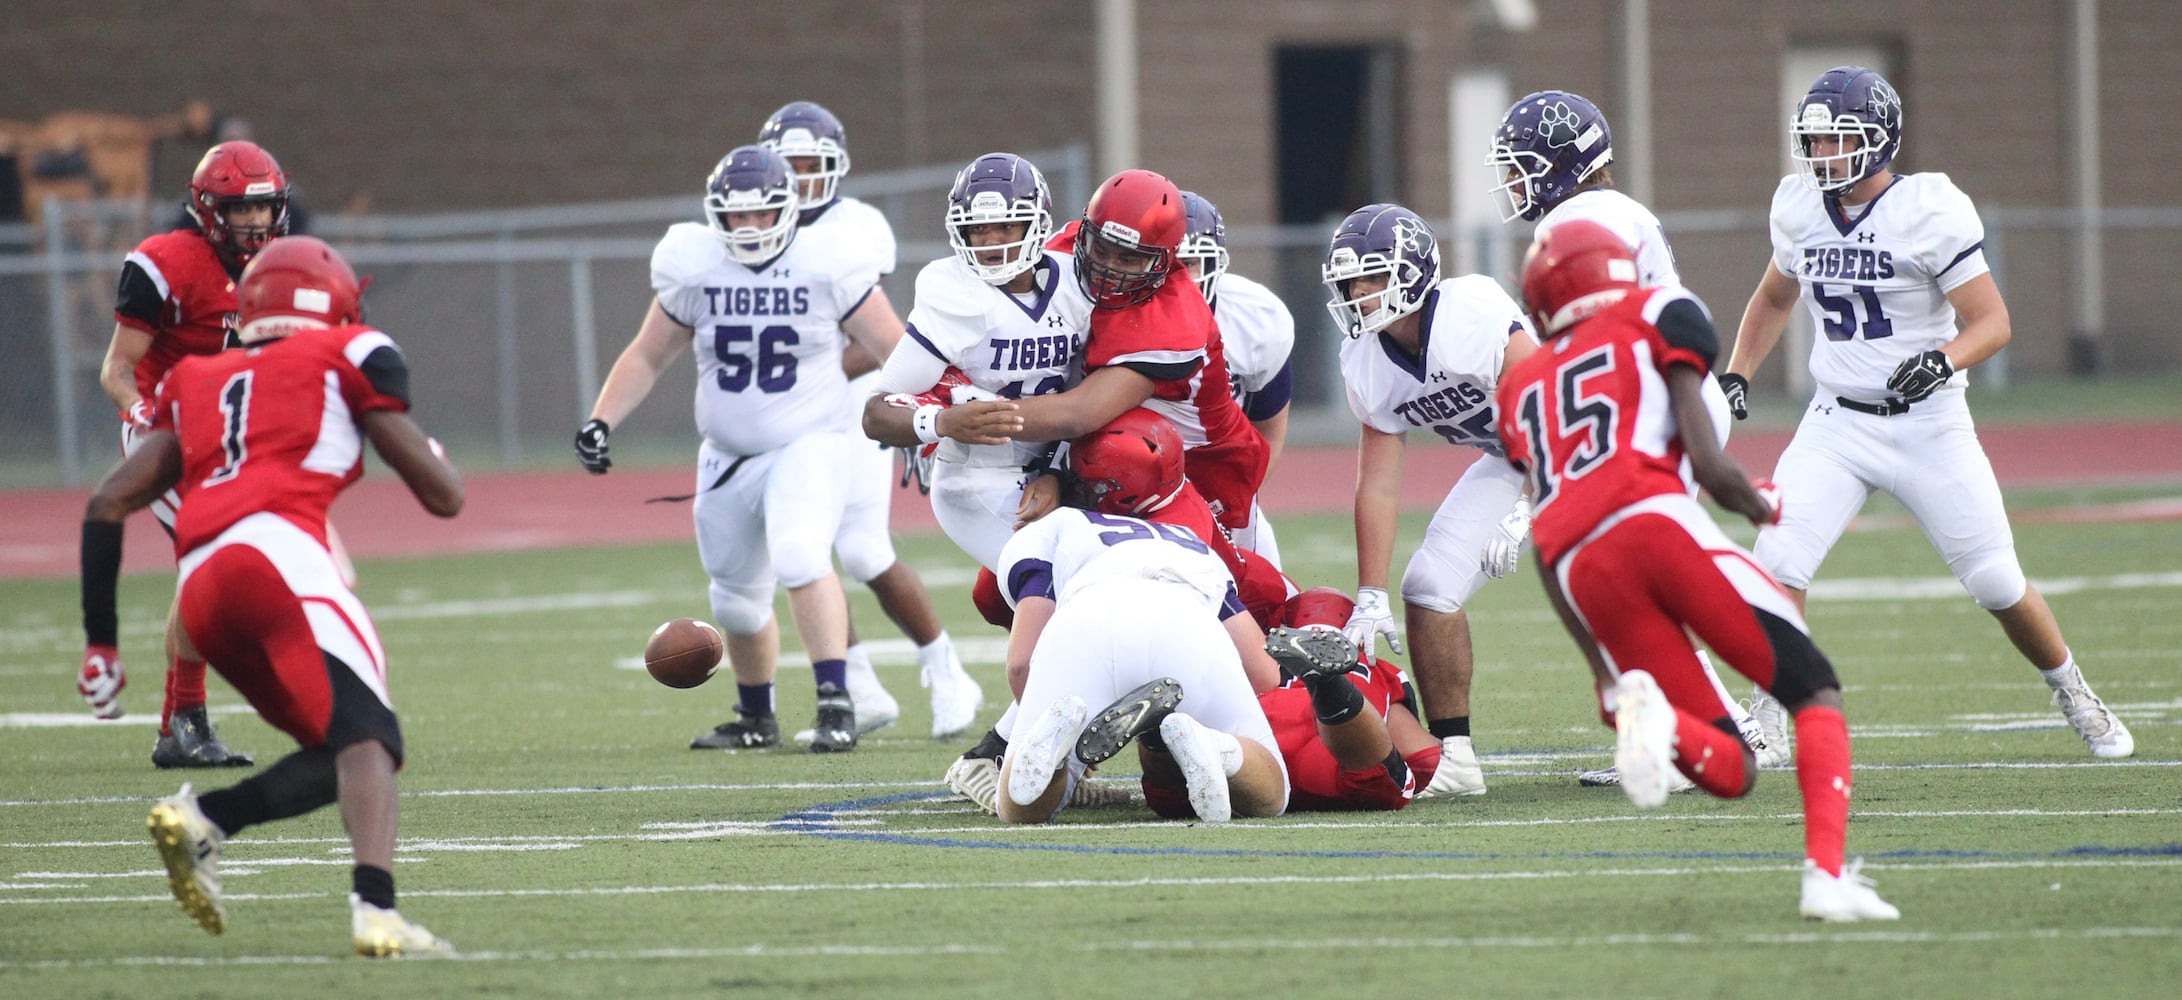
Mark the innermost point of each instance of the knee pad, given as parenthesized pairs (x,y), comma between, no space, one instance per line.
(1799,669)
(800,563)
(865,555)
(1430,583)
(742,610)
(1994,579)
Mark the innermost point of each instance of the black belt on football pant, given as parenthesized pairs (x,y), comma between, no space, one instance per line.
(1882,408)
(716,484)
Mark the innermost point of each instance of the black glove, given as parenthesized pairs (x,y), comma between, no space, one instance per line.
(591,447)
(1921,376)
(1737,389)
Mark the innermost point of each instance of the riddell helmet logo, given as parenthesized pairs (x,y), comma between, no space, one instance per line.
(1816,114)
(313,300)
(1120,233)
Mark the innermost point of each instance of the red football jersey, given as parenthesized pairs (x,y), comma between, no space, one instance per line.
(182,295)
(1227,457)
(1261,586)
(276,427)
(1587,416)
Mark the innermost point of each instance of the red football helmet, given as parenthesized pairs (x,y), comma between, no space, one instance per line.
(1131,232)
(1574,270)
(1318,607)
(296,283)
(235,173)
(1130,466)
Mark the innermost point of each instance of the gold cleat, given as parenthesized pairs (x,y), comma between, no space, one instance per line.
(190,846)
(381,933)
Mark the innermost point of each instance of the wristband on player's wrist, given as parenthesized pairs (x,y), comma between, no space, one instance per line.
(925,421)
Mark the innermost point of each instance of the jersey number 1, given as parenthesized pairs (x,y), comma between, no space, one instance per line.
(234,427)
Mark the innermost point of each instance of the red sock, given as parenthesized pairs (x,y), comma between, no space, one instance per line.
(1708,756)
(185,689)
(1822,769)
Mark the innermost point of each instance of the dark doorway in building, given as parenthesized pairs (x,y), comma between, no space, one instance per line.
(1337,148)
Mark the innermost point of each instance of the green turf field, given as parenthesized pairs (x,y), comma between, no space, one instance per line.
(558,833)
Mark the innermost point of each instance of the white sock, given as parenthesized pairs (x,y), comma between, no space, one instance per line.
(859,660)
(1231,751)
(1006,724)
(939,651)
(2065,674)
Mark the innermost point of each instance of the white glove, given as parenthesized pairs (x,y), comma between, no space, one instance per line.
(1372,619)
(1504,551)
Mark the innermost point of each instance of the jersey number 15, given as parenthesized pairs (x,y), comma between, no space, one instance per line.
(1591,419)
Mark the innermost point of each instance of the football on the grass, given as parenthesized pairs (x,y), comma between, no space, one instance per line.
(683,653)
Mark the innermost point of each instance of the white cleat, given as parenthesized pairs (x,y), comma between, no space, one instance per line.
(1458,773)
(381,933)
(2100,728)
(876,709)
(190,846)
(978,779)
(956,696)
(1643,739)
(1842,898)
(1774,742)
(1203,769)
(1043,751)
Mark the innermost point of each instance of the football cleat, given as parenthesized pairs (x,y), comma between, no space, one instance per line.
(381,933)
(976,779)
(1643,739)
(750,731)
(1607,777)
(101,679)
(2100,728)
(191,742)
(190,845)
(1094,795)
(1309,654)
(835,730)
(956,697)
(1133,715)
(1842,898)
(876,709)
(1458,773)
(1775,743)
(1203,771)
(1044,750)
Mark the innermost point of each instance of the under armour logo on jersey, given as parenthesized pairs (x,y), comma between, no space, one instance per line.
(1055,322)
(1439,376)
(780,272)
(1867,237)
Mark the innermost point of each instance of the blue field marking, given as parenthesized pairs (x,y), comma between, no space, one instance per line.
(818,821)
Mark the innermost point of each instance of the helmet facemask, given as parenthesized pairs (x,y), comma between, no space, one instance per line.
(1858,146)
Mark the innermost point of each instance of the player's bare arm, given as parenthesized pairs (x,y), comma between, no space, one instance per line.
(873,327)
(1092,404)
(980,421)
(1031,616)
(659,340)
(1258,664)
(417,459)
(1274,430)
(1714,469)
(1764,319)
(117,374)
(151,470)
(1378,490)
(1985,324)
(857,362)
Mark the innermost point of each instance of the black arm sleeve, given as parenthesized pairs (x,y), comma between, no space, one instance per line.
(1173,371)
(387,373)
(1684,324)
(101,568)
(138,297)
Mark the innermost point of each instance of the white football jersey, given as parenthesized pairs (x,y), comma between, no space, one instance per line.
(768,339)
(1076,550)
(1635,224)
(857,237)
(1257,333)
(1877,287)
(1449,390)
(1008,347)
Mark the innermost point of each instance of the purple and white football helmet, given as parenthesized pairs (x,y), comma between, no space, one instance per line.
(1000,188)
(1384,240)
(802,128)
(1204,242)
(1546,145)
(1847,102)
(752,179)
